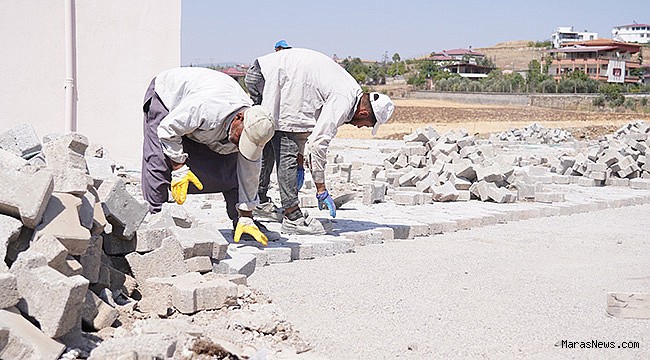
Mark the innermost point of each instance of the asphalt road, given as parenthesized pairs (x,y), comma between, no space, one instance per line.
(506,291)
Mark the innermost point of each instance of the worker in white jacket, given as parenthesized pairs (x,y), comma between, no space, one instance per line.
(200,124)
(310,96)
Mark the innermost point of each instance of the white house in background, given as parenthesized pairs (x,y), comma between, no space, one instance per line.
(565,34)
(638,33)
(119,44)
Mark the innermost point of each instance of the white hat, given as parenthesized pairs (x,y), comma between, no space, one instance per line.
(383,108)
(258,130)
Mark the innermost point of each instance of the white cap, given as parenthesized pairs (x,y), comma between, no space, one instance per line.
(383,108)
(258,130)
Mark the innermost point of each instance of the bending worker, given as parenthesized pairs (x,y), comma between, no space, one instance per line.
(200,124)
(310,96)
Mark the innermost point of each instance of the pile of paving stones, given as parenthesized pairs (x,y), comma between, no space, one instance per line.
(83,259)
(533,134)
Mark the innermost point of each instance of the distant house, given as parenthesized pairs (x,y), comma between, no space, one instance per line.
(234,72)
(464,62)
(566,34)
(638,33)
(602,60)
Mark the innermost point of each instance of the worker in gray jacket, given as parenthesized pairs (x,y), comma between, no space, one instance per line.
(200,124)
(310,97)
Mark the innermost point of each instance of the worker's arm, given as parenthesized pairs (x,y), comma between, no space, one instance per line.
(255,82)
(248,177)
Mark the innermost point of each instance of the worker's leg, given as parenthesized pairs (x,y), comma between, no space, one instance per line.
(217,173)
(286,153)
(268,160)
(156,170)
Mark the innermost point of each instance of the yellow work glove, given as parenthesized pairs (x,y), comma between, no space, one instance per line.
(180,180)
(246,225)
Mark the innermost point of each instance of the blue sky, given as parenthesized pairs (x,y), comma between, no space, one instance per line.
(239,31)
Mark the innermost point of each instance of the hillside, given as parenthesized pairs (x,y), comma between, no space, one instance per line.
(512,55)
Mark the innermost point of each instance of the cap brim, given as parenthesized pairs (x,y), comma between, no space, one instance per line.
(248,149)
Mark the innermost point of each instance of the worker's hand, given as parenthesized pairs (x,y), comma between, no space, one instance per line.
(300,178)
(246,225)
(180,180)
(324,199)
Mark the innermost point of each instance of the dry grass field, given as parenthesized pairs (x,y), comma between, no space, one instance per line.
(482,120)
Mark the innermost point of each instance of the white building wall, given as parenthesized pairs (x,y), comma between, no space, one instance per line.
(639,33)
(121,45)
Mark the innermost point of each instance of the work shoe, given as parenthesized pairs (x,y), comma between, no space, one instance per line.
(304,225)
(271,235)
(268,211)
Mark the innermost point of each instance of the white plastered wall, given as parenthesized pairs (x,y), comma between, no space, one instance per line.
(121,45)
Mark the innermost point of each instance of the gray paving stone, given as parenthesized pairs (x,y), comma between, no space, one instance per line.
(21,140)
(236,263)
(91,259)
(25,196)
(145,346)
(200,264)
(96,313)
(165,261)
(9,294)
(61,220)
(121,209)
(26,341)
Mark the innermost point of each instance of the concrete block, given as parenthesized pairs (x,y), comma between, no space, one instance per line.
(97,314)
(299,251)
(120,208)
(308,201)
(341,245)
(87,210)
(21,141)
(640,184)
(150,239)
(115,245)
(61,220)
(9,232)
(200,264)
(195,241)
(407,197)
(320,246)
(166,261)
(464,195)
(12,161)
(192,292)
(99,169)
(9,294)
(237,263)
(145,346)
(490,173)
(444,192)
(278,255)
(365,237)
(91,259)
(237,279)
(26,341)
(442,226)
(614,181)
(545,197)
(25,196)
(374,193)
(48,296)
(180,215)
(156,295)
(55,253)
(502,195)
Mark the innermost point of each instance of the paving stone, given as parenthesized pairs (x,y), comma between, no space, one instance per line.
(26,341)
(640,184)
(194,241)
(96,313)
(12,161)
(320,247)
(25,196)
(9,232)
(9,294)
(374,193)
(200,264)
(444,192)
(278,255)
(407,197)
(55,253)
(442,226)
(21,140)
(121,209)
(191,293)
(91,259)
(115,245)
(99,169)
(145,346)
(61,220)
(236,263)
(366,237)
(165,261)
(48,296)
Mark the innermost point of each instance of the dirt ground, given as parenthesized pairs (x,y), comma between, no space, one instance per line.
(482,120)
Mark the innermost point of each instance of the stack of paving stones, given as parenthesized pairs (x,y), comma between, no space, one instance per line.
(82,256)
(617,160)
(435,168)
(533,134)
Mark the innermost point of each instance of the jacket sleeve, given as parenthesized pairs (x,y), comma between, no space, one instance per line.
(182,120)
(248,178)
(334,113)
(255,83)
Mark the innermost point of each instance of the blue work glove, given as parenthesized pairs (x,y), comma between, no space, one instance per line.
(300,178)
(324,199)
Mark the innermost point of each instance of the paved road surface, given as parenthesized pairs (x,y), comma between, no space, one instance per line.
(506,291)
